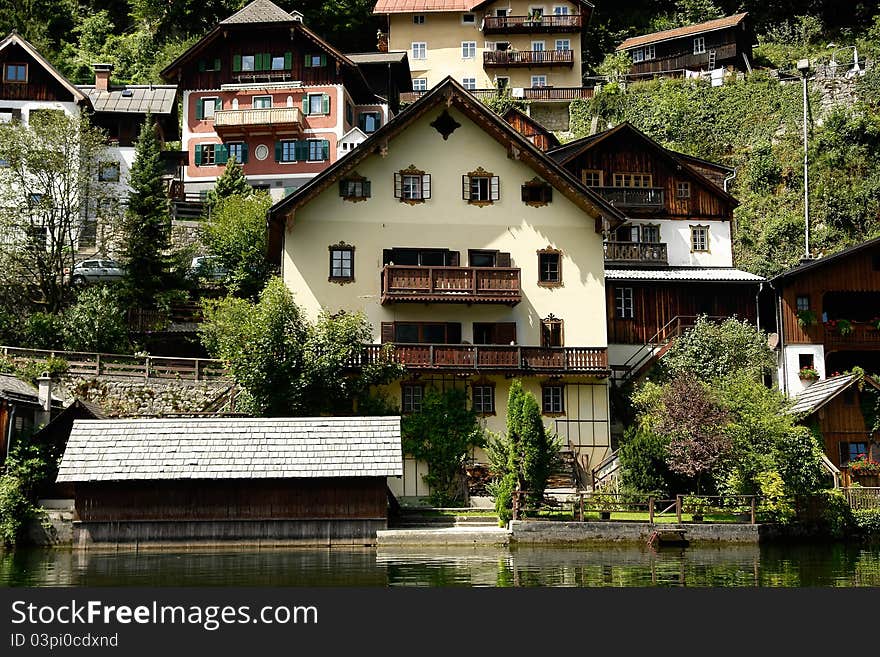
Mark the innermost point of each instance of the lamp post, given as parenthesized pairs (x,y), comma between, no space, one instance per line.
(803,66)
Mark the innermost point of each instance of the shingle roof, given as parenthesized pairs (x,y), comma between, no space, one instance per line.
(720,274)
(821,262)
(815,396)
(232,448)
(678,32)
(156,99)
(258,11)
(10,384)
(407,6)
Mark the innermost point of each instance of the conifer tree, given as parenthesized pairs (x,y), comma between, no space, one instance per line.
(231,183)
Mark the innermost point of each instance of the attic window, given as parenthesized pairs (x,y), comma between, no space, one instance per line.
(480,187)
(16,73)
(536,193)
(354,188)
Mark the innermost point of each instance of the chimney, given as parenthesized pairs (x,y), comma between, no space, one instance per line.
(44,396)
(102,76)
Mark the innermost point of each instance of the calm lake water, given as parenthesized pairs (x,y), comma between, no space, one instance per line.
(776,565)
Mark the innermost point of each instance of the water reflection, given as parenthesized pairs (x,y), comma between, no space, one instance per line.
(593,566)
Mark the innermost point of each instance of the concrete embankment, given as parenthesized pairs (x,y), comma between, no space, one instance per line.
(543,531)
(443,536)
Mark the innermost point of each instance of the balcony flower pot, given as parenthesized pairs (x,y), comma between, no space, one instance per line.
(808,374)
(806,318)
(844,327)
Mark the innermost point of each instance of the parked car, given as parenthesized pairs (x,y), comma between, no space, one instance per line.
(96,271)
(208,269)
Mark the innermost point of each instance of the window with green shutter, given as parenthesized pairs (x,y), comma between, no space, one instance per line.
(288,61)
(236,63)
(316,104)
(221,154)
(315,60)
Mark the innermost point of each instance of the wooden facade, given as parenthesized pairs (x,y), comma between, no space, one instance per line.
(531,129)
(41,85)
(842,422)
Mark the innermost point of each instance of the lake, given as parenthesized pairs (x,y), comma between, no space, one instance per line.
(777,565)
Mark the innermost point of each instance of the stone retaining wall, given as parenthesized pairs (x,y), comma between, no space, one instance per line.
(546,531)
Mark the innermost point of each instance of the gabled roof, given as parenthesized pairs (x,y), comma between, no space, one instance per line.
(232,448)
(810,265)
(451,93)
(16,38)
(513,112)
(815,396)
(353,132)
(11,385)
(258,11)
(571,150)
(132,99)
(679,32)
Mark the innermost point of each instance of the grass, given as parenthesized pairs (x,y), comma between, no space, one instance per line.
(634,516)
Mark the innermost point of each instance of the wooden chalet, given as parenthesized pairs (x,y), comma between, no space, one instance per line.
(28,77)
(828,311)
(307,481)
(536,133)
(720,43)
(23,409)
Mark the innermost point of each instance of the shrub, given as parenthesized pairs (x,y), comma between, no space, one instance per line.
(43,331)
(27,470)
(97,322)
(867,522)
(775,503)
(643,465)
(501,491)
(837,516)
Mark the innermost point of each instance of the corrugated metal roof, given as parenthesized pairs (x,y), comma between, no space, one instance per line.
(410,6)
(156,99)
(392,57)
(10,384)
(815,396)
(683,274)
(258,11)
(678,32)
(232,448)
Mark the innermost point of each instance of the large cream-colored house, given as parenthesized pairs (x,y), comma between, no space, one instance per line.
(483,45)
(470,250)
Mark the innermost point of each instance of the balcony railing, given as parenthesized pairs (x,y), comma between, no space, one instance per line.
(410,283)
(862,335)
(532,24)
(512,58)
(524,93)
(636,252)
(269,116)
(650,198)
(460,357)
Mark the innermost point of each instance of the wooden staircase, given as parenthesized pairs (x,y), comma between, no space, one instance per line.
(564,475)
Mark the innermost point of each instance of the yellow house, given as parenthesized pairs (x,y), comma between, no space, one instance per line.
(474,253)
(520,44)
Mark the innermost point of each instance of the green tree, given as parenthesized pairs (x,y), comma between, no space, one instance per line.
(147,224)
(232,183)
(442,434)
(96,322)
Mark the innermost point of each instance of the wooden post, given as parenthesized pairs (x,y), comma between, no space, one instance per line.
(98,365)
(651,509)
(753,514)
(581,496)
(515,504)
(197,369)
(678,508)
(147,367)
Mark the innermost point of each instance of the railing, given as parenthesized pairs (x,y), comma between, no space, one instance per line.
(862,497)
(861,333)
(262,76)
(641,252)
(147,367)
(527,24)
(528,58)
(257,117)
(153,319)
(525,93)
(185,205)
(459,284)
(593,360)
(606,471)
(633,197)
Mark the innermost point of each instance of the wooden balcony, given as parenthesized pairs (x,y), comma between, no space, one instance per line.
(244,120)
(497,358)
(527,58)
(863,336)
(640,253)
(531,24)
(413,284)
(639,198)
(546,94)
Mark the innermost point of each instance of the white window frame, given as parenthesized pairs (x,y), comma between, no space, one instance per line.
(539,77)
(468,49)
(650,52)
(473,20)
(320,142)
(682,189)
(214,100)
(638,55)
(254,102)
(410,402)
(542,43)
(421,46)
(469,83)
(697,241)
(567,43)
(560,10)
(418,19)
(253,63)
(624,307)
(699,45)
(422,84)
(320,98)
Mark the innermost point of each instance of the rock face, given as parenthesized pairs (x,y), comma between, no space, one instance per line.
(127,396)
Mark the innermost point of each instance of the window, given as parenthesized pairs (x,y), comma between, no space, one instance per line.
(623,303)
(538,46)
(682,190)
(420,84)
(349,113)
(206,155)
(468,19)
(412,185)
(480,187)
(495,333)
(341,262)
(851,451)
(803,302)
(484,399)
(551,400)
(468,49)
(806,360)
(650,52)
(354,188)
(481,258)
(539,80)
(469,83)
(247,62)
(699,238)
(536,193)
(699,45)
(411,397)
(560,10)
(316,104)
(421,257)
(651,234)
(16,73)
(502,82)
(638,55)
(108,171)
(238,150)
(287,151)
(262,102)
(551,332)
(277,63)
(591,177)
(369,121)
(315,61)
(563,44)
(549,267)
(418,19)
(319,150)
(632,180)
(420,50)
(205,108)
(426,332)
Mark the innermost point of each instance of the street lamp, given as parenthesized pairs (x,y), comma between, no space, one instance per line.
(803,66)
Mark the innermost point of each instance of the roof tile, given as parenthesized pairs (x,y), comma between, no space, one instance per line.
(687,30)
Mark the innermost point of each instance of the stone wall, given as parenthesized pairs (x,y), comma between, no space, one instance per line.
(187,234)
(525,531)
(553,116)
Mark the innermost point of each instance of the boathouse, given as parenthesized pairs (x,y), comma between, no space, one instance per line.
(263,481)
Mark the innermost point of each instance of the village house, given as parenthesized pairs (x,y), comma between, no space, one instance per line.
(23,410)
(709,47)
(532,48)
(672,259)
(474,254)
(263,88)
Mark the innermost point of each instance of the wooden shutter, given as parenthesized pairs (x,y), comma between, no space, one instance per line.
(278,148)
(325,149)
(306,105)
(387,332)
(288,61)
(236,63)
(502,259)
(323,60)
(221,152)
(453,333)
(218,104)
(244,153)
(202,66)
(367,188)
(426,185)
(198,155)
(343,185)
(325,103)
(494,188)
(398,186)
(387,256)
(547,194)
(505,332)
(217,64)
(308,61)
(466,188)
(200,109)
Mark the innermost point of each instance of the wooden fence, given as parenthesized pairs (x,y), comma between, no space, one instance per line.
(862,498)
